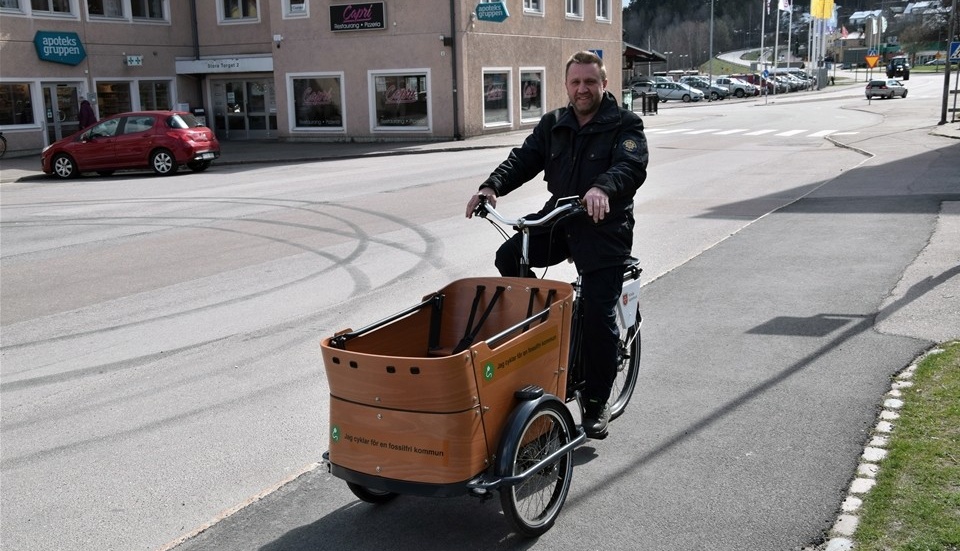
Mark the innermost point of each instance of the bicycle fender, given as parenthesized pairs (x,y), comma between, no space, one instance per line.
(514,429)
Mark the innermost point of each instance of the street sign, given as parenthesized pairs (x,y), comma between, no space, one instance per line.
(955,51)
(492,11)
(871,60)
(766,73)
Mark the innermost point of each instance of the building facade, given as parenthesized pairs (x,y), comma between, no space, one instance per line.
(308,70)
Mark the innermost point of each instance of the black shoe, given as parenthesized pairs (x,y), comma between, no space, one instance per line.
(595,420)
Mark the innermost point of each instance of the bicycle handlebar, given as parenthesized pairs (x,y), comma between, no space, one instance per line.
(564,206)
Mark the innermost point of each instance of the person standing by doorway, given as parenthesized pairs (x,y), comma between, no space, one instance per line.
(86,117)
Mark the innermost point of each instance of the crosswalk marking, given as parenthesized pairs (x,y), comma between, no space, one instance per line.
(748,132)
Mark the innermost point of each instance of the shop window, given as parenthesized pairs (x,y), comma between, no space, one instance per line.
(496,98)
(105,8)
(15,105)
(295,8)
(12,5)
(531,94)
(113,98)
(317,102)
(533,6)
(51,6)
(237,10)
(603,10)
(401,101)
(154,95)
(147,9)
(575,9)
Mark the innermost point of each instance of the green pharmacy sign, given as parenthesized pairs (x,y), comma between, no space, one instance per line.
(492,11)
(59,47)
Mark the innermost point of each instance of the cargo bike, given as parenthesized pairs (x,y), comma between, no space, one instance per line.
(466,392)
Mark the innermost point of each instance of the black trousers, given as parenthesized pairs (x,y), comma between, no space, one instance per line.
(600,290)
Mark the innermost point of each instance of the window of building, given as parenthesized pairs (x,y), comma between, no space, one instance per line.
(533,6)
(154,95)
(400,100)
(603,10)
(13,5)
(113,98)
(317,102)
(105,8)
(296,8)
(51,6)
(239,10)
(15,104)
(496,97)
(147,9)
(531,94)
(575,9)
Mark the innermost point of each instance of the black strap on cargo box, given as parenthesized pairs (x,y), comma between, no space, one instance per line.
(471,332)
(533,295)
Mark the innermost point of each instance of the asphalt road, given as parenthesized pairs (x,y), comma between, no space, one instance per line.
(161,379)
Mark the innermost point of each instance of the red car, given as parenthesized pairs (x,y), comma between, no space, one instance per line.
(159,140)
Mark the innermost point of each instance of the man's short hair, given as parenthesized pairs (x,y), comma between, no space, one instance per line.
(586,58)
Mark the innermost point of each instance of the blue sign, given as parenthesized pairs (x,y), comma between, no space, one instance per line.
(492,11)
(59,47)
(766,73)
(955,51)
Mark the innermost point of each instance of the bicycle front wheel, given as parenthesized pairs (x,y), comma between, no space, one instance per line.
(628,367)
(532,506)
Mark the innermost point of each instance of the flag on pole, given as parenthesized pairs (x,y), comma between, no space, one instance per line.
(784,5)
(821,9)
(843,32)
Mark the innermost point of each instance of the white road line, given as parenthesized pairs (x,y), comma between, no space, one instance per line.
(789,133)
(676,131)
(821,133)
(705,131)
(732,131)
(760,132)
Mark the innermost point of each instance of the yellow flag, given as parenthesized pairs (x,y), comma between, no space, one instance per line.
(821,9)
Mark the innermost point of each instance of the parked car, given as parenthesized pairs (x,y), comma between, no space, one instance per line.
(714,91)
(888,88)
(898,67)
(159,140)
(678,91)
(739,88)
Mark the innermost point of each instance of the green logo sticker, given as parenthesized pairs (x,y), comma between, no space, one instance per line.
(488,371)
(335,433)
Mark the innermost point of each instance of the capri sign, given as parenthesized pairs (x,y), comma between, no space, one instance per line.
(492,11)
(59,47)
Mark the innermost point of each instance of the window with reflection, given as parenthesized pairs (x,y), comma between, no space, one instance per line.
(318,102)
(15,104)
(234,10)
(51,6)
(401,101)
(531,95)
(496,98)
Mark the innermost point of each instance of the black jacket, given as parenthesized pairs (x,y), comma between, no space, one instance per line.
(609,152)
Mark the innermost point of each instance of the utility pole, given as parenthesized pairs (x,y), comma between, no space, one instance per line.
(951,34)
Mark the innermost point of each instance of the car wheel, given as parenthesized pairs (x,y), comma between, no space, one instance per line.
(198,166)
(686,98)
(906,75)
(739,93)
(163,162)
(904,96)
(64,166)
(714,96)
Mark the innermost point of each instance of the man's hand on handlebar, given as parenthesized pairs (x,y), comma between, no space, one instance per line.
(487,193)
(597,203)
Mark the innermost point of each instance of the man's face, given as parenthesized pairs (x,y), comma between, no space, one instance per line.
(585,88)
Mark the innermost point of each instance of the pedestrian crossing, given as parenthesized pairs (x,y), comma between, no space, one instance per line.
(806,133)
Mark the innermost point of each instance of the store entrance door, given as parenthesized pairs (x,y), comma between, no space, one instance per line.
(61,107)
(245,109)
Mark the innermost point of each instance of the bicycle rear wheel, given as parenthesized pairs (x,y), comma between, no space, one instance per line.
(628,367)
(3,145)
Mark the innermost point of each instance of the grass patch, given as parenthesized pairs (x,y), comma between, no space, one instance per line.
(915,504)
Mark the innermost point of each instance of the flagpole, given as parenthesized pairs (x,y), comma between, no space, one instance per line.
(764,8)
(776,47)
(789,33)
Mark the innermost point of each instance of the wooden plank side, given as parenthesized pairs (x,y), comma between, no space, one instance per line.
(415,447)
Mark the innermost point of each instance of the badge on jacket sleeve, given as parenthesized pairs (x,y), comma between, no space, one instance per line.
(630,146)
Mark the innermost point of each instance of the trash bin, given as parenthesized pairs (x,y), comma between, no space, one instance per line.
(650,101)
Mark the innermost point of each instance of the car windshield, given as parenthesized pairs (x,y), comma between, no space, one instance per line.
(183,120)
